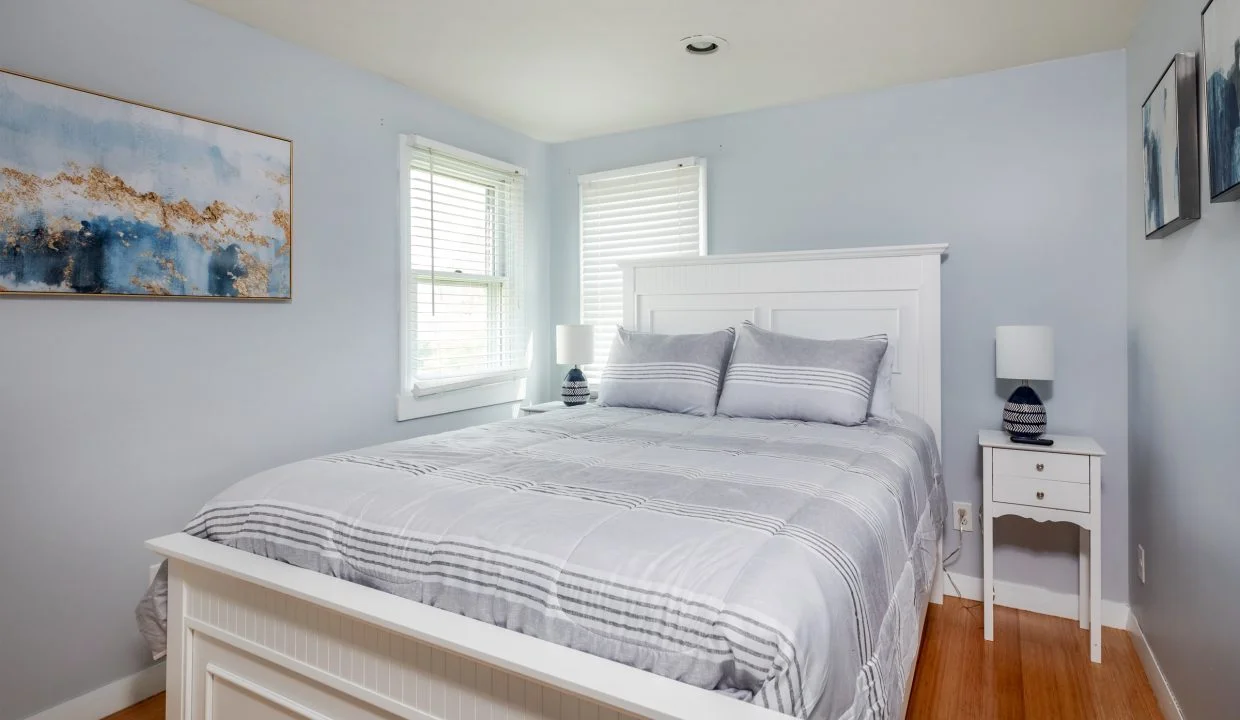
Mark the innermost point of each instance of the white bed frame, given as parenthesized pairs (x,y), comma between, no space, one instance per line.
(253,639)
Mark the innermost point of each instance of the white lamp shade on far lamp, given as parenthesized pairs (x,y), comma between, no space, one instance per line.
(574,344)
(1024,352)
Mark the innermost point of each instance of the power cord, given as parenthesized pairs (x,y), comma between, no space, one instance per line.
(952,558)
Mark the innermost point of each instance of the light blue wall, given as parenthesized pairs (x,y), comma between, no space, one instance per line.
(118,419)
(1022,171)
(1184,340)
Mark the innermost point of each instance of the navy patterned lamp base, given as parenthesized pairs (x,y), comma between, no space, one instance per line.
(1024,415)
(575,390)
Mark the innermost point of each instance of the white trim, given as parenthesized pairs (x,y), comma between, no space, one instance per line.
(795,256)
(215,671)
(109,699)
(1038,600)
(640,169)
(1162,689)
(404,263)
(425,142)
(410,406)
(425,388)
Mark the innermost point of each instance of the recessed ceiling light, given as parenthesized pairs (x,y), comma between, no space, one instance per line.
(703,44)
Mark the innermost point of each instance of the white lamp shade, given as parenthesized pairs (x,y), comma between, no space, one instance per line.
(574,344)
(1025,352)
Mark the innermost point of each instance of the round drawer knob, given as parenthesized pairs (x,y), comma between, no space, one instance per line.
(1040,467)
(1041,495)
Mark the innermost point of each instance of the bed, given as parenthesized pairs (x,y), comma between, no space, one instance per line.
(599,562)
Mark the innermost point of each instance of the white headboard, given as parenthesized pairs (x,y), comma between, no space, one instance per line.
(823,294)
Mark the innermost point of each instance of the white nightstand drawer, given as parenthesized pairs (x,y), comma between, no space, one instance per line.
(1042,493)
(1042,465)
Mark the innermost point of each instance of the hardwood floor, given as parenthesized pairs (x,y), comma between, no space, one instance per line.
(149,709)
(1037,667)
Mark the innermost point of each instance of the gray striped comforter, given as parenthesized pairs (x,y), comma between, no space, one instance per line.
(782,562)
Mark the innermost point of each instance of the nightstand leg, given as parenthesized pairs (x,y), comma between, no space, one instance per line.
(988,577)
(1095,593)
(1083,589)
(988,545)
(1095,560)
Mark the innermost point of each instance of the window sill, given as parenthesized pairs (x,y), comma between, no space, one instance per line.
(409,407)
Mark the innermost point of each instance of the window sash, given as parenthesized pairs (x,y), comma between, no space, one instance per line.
(642,212)
(463,324)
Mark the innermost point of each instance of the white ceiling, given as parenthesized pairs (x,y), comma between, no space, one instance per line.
(565,69)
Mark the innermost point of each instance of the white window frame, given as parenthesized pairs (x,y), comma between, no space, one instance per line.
(703,245)
(509,387)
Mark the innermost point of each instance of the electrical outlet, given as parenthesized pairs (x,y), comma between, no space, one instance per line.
(1141,564)
(962,516)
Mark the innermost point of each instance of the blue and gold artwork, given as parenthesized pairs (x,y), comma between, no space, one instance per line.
(1162,156)
(1220,25)
(99,196)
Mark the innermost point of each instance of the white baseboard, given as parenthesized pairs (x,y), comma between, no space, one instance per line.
(1037,599)
(1162,690)
(110,698)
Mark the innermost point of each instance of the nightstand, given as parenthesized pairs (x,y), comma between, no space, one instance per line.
(1056,483)
(549,406)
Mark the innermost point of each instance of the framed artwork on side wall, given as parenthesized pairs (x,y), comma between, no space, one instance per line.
(1220,40)
(104,197)
(1169,139)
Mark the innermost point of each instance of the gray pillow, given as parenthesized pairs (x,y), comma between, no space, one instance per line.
(676,373)
(784,377)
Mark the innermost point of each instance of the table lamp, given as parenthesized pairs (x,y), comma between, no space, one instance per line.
(1025,352)
(574,345)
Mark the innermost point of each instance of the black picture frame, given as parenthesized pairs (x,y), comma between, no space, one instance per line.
(1221,87)
(1173,100)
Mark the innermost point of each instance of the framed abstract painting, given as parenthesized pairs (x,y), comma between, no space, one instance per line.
(104,197)
(1220,40)
(1169,142)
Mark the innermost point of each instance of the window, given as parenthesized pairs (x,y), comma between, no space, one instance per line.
(649,211)
(463,330)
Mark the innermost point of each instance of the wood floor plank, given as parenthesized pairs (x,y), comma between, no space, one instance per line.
(149,709)
(1037,667)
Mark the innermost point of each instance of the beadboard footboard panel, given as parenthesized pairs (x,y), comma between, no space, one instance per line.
(258,654)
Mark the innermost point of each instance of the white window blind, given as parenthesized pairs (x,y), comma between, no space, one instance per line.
(464,296)
(649,211)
